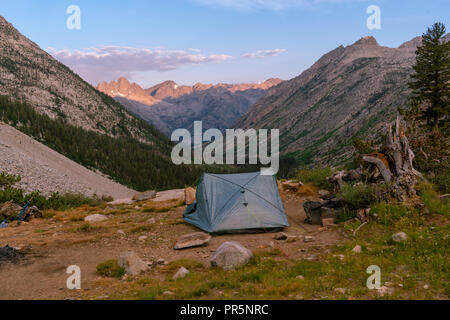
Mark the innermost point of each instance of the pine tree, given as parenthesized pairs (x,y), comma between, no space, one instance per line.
(431,80)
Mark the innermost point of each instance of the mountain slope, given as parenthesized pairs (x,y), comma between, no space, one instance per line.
(43,169)
(31,75)
(349,92)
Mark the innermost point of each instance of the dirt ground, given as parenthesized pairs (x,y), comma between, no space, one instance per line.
(66,240)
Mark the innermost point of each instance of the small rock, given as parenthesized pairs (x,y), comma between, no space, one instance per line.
(340,290)
(300,277)
(399,237)
(151,221)
(95,218)
(192,240)
(281,236)
(323,193)
(309,239)
(168,293)
(161,262)
(230,255)
(181,273)
(120,232)
(132,263)
(142,238)
(357,249)
(426,287)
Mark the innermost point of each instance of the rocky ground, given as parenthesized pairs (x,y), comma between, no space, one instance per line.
(51,245)
(45,170)
(309,262)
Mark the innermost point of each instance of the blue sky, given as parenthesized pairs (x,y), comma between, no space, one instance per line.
(211,41)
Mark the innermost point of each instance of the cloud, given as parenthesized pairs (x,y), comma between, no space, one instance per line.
(110,62)
(267,4)
(263,53)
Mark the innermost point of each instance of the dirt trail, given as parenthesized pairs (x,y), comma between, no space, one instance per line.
(57,245)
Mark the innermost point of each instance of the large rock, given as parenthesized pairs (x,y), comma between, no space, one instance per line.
(95,218)
(9,210)
(231,255)
(132,264)
(146,195)
(175,194)
(192,240)
(189,195)
(313,211)
(31,213)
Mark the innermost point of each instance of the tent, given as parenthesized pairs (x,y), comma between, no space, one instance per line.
(233,203)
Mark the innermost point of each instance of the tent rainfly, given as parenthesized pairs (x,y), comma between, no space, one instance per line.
(237,203)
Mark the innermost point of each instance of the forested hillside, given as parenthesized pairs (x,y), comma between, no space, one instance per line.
(126,160)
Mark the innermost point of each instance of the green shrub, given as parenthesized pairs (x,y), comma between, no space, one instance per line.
(317,177)
(358,196)
(8,180)
(110,268)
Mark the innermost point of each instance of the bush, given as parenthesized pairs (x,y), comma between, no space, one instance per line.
(8,180)
(317,177)
(110,268)
(358,196)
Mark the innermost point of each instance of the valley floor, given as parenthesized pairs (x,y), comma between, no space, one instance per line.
(327,266)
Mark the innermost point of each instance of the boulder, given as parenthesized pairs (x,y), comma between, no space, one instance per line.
(181,273)
(190,240)
(189,195)
(326,212)
(313,212)
(95,218)
(231,255)
(175,194)
(132,264)
(146,195)
(399,237)
(9,210)
(32,212)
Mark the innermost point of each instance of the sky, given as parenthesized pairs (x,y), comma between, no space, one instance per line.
(210,41)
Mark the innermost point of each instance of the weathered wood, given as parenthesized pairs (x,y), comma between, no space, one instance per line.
(385,172)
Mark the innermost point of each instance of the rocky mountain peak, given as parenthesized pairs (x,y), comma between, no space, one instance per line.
(367,41)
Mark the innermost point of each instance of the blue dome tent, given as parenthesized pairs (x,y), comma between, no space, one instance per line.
(234,203)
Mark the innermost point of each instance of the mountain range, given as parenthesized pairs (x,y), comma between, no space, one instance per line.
(350,92)
(170,106)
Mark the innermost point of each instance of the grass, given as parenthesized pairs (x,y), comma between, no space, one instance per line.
(318,177)
(110,268)
(405,267)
